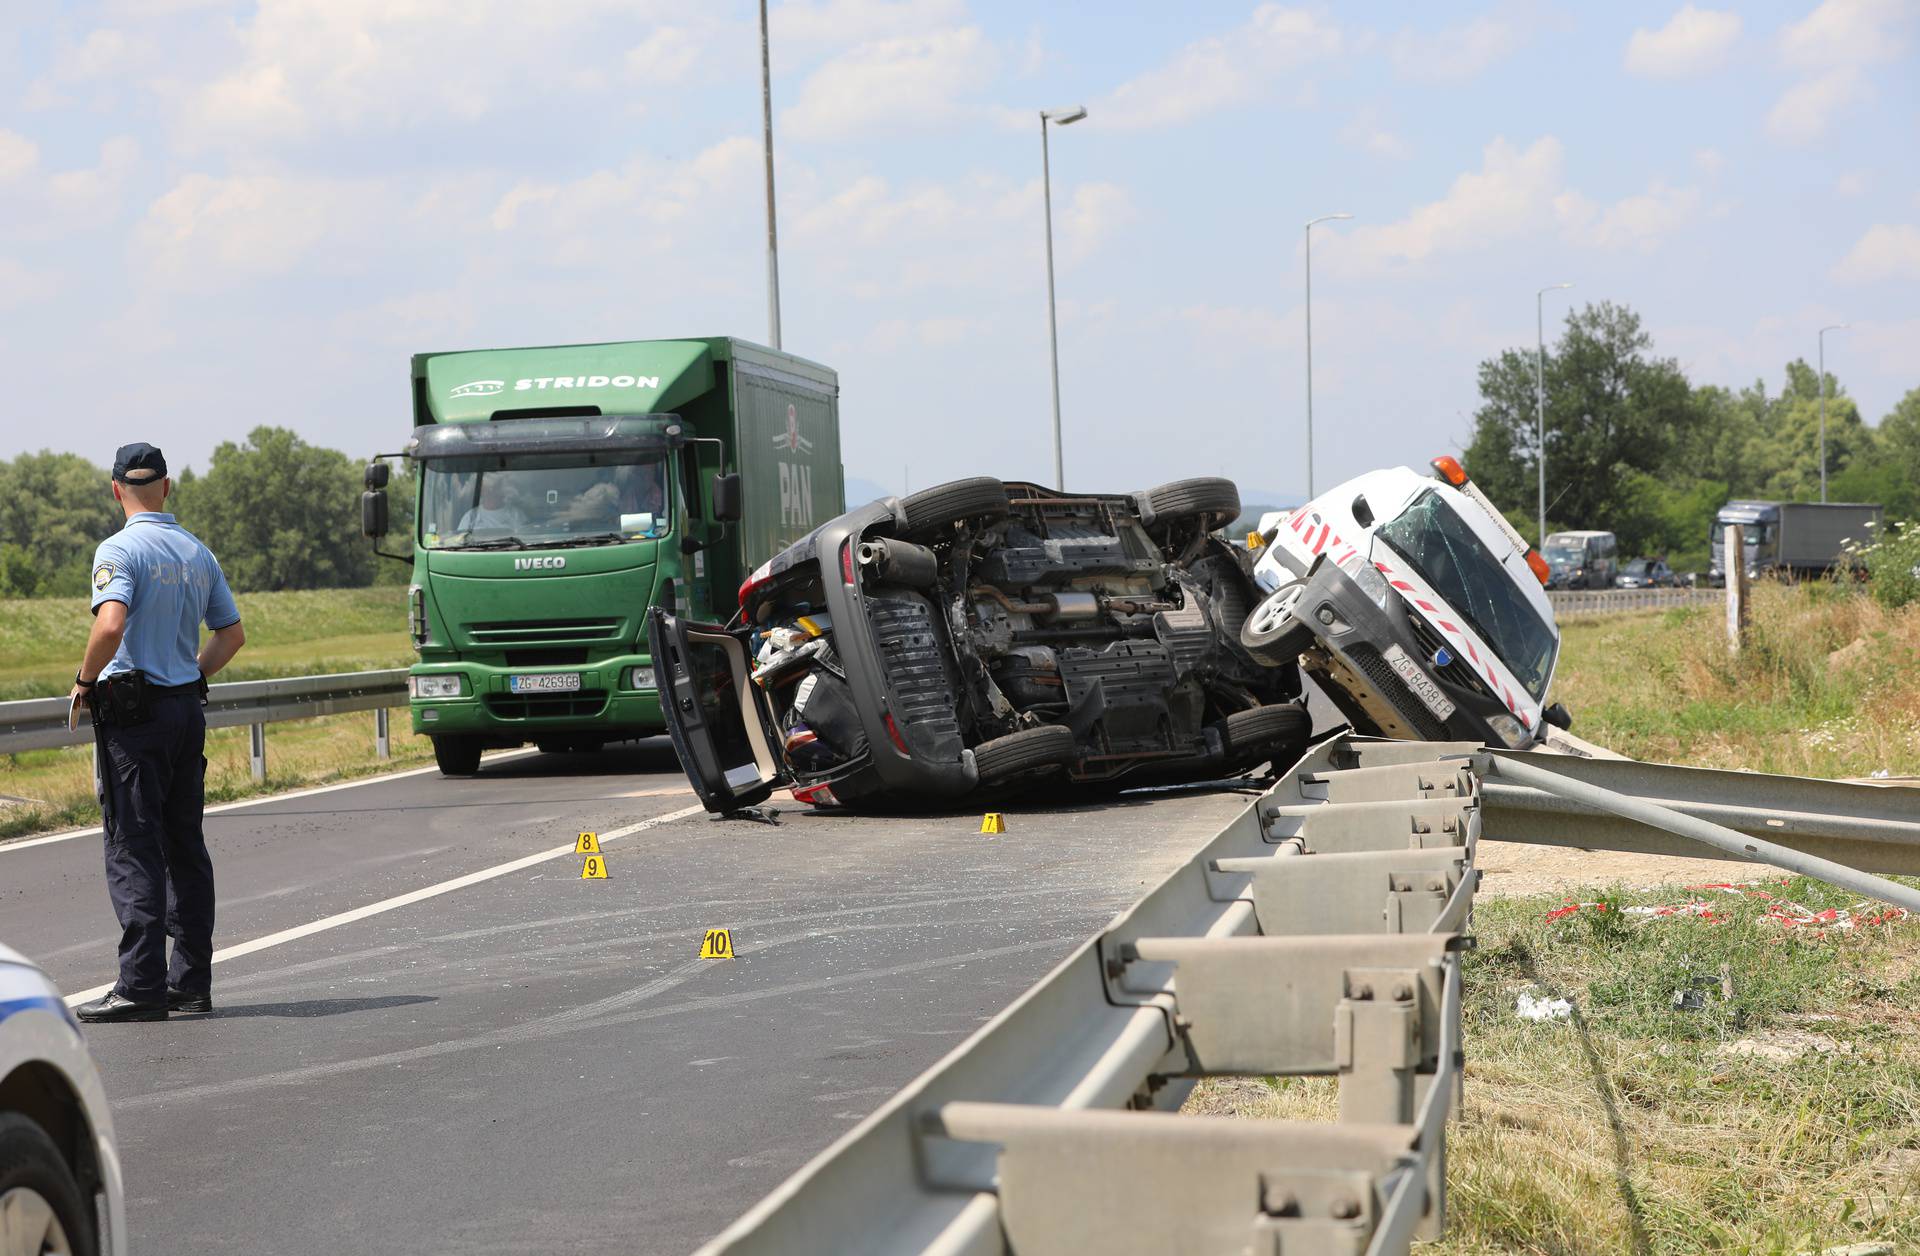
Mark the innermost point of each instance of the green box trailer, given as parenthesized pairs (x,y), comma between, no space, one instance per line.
(564,491)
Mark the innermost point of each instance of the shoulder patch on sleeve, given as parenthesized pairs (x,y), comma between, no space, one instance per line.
(103,575)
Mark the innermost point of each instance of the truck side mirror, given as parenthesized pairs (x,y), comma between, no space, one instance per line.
(1557,715)
(373,511)
(726,497)
(377,473)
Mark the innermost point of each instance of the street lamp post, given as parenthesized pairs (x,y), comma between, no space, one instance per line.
(1059,117)
(773,239)
(1309,322)
(1540,396)
(1823,403)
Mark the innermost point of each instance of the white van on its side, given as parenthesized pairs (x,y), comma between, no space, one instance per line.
(1416,606)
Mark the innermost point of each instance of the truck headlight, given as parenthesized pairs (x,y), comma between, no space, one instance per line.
(447,686)
(1510,731)
(1372,583)
(640,678)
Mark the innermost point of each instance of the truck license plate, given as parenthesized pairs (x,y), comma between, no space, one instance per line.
(1418,681)
(544,682)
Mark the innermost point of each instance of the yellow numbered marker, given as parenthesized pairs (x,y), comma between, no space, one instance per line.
(1255,540)
(718,944)
(993,822)
(589,844)
(595,869)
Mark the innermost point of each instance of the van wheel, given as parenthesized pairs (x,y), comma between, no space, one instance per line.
(457,755)
(39,1199)
(1028,750)
(1273,634)
(934,510)
(1210,498)
(1279,732)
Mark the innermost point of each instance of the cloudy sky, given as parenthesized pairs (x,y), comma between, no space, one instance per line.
(216,214)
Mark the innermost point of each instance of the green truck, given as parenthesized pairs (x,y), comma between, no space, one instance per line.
(562,493)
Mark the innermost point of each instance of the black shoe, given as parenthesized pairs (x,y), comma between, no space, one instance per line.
(114,1006)
(181,1001)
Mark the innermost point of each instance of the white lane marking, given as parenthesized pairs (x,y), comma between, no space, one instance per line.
(96,830)
(414,896)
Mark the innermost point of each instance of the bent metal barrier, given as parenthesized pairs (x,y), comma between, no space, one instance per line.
(39,723)
(1320,933)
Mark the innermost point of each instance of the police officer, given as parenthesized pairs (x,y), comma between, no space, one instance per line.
(144,677)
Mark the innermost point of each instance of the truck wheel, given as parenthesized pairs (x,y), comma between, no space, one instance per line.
(934,510)
(1028,750)
(1210,498)
(1273,634)
(39,1199)
(1279,732)
(457,755)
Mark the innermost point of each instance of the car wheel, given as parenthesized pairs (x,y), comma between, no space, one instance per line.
(41,1208)
(457,755)
(1028,750)
(1273,634)
(1279,732)
(933,510)
(1215,500)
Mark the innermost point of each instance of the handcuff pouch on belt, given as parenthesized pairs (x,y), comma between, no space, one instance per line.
(122,699)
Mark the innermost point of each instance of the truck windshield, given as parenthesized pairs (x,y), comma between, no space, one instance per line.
(1440,545)
(543,501)
(1755,534)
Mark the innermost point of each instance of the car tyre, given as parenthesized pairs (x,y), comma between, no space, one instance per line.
(933,510)
(1215,500)
(457,755)
(1273,634)
(1029,750)
(1279,732)
(38,1190)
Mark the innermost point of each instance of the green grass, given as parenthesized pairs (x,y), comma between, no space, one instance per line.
(288,634)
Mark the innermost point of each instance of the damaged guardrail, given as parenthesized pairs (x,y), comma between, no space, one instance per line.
(1319,933)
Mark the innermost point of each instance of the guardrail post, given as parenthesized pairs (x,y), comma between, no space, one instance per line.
(257,743)
(382,742)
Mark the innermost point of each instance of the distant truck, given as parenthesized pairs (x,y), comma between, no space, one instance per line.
(1790,539)
(563,492)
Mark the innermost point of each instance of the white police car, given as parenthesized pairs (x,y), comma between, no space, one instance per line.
(1416,606)
(60,1186)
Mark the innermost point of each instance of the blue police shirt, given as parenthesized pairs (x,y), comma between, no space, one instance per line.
(170,585)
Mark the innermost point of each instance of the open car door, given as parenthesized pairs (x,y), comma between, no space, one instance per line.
(714,713)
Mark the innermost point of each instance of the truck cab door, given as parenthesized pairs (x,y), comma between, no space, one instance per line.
(714,712)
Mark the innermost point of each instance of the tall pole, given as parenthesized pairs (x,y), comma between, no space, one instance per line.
(1823,403)
(773,237)
(1053,330)
(1309,322)
(1540,398)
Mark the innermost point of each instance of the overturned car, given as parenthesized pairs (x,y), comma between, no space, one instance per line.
(981,634)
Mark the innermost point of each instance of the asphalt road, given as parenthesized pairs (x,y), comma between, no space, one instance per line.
(535,1062)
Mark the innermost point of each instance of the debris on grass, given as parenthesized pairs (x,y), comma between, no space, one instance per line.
(1782,911)
(1783,1046)
(1539,1008)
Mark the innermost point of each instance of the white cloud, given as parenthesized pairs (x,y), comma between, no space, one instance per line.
(890,85)
(19,286)
(1458,53)
(1805,110)
(1833,48)
(1222,70)
(1366,132)
(1852,185)
(665,56)
(842,22)
(1694,41)
(1640,222)
(105,54)
(18,155)
(1886,251)
(1090,219)
(1709,161)
(39,204)
(206,231)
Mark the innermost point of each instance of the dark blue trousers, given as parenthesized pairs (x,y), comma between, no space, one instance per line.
(153,788)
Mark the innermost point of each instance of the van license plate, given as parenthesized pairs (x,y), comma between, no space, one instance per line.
(1418,681)
(545,682)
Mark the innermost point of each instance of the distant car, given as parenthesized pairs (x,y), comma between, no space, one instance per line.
(1416,607)
(981,634)
(1646,573)
(1581,560)
(60,1184)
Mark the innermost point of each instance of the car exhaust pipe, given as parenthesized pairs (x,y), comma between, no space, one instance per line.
(899,562)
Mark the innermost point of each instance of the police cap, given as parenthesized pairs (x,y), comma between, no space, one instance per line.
(139,463)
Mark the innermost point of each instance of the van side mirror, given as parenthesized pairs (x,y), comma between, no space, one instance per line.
(373,512)
(377,473)
(1362,512)
(1557,715)
(726,497)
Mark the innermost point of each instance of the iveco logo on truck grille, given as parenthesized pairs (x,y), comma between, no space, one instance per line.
(479,388)
(539,564)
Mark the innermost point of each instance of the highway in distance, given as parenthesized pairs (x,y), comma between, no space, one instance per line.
(535,1062)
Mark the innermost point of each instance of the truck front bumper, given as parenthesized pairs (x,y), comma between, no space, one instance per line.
(607,702)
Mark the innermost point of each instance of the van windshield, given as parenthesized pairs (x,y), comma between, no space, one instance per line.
(1436,542)
(542,501)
